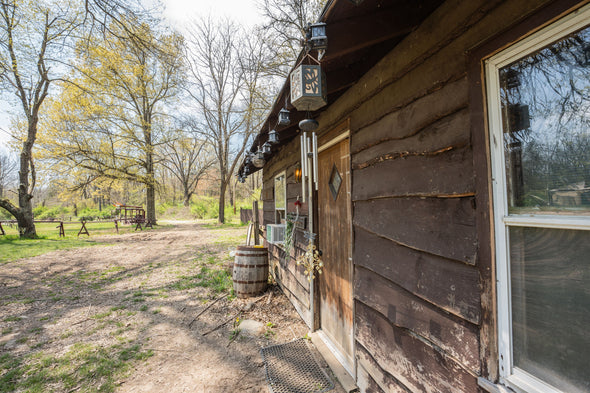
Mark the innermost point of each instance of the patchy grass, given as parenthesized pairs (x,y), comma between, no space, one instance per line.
(14,248)
(217,280)
(83,368)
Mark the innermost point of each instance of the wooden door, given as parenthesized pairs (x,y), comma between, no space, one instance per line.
(334,225)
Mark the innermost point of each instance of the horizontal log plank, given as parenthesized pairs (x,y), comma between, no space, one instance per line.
(417,365)
(372,378)
(416,116)
(439,133)
(440,226)
(288,280)
(457,338)
(443,174)
(452,286)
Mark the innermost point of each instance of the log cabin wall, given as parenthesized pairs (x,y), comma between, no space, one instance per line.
(284,269)
(423,273)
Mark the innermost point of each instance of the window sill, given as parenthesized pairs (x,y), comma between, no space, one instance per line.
(492,387)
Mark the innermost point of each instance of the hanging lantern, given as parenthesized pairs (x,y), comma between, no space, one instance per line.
(258,160)
(284,117)
(273,137)
(248,159)
(246,171)
(308,88)
(317,36)
(298,174)
(266,148)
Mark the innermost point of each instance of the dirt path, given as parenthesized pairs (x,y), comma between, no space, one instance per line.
(121,317)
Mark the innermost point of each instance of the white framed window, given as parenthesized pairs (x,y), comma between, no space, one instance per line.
(280,197)
(538,96)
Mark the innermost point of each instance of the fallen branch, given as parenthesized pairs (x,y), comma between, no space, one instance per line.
(206,308)
(222,324)
(82,321)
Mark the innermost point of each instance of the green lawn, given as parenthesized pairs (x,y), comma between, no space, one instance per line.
(12,247)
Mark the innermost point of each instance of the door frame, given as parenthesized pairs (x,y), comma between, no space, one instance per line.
(327,140)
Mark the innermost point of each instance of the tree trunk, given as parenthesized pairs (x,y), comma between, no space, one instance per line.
(222,189)
(151,183)
(151,203)
(24,216)
(187,198)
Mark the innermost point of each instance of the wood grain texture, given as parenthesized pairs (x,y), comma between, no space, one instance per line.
(417,365)
(334,223)
(440,226)
(452,286)
(448,173)
(456,338)
(416,118)
(372,377)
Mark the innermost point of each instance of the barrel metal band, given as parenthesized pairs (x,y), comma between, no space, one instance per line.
(239,254)
(250,266)
(250,282)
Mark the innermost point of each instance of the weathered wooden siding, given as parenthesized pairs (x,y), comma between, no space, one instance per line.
(417,284)
(423,284)
(284,268)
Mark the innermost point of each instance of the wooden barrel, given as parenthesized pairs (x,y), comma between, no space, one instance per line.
(250,272)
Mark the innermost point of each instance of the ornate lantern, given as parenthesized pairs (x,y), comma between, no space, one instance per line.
(308,87)
(284,117)
(266,148)
(273,137)
(258,160)
(317,36)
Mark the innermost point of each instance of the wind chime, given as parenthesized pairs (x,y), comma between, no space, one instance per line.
(308,94)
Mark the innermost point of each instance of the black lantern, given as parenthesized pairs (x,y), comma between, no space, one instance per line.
(308,87)
(284,117)
(246,171)
(258,160)
(273,137)
(248,159)
(317,36)
(266,148)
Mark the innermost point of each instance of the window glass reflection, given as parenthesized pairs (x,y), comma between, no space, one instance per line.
(545,99)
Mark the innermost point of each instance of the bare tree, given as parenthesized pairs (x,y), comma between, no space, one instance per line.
(287,22)
(7,172)
(188,159)
(32,34)
(227,87)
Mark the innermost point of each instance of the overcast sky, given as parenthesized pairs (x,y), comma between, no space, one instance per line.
(178,12)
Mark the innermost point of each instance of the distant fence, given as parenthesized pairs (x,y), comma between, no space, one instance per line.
(246,215)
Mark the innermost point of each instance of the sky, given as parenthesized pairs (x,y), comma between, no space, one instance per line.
(178,13)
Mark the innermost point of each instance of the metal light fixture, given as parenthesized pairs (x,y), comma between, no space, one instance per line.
(284,117)
(317,36)
(266,148)
(308,87)
(273,137)
(248,159)
(246,171)
(258,160)
(298,174)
